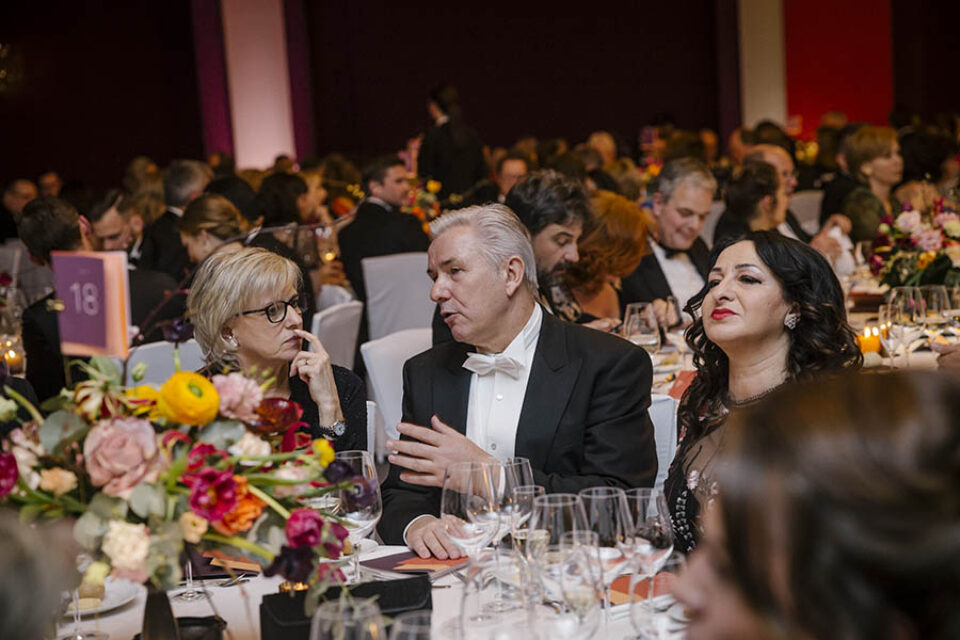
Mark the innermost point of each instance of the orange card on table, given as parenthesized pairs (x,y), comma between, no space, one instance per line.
(684,378)
(620,589)
(220,559)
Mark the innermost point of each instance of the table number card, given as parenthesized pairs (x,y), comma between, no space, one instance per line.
(94,290)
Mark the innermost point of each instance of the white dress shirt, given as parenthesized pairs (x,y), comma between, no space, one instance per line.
(495,399)
(681,274)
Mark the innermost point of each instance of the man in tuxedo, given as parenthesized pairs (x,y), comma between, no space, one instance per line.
(511,168)
(516,382)
(162,250)
(15,197)
(49,224)
(553,208)
(679,259)
(117,228)
(379,227)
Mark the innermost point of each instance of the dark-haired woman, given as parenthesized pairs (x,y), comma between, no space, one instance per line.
(838,518)
(772,311)
(756,199)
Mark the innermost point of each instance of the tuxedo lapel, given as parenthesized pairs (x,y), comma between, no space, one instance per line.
(451,393)
(549,388)
(652,274)
(700,256)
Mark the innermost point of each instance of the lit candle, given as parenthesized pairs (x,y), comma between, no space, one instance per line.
(870,340)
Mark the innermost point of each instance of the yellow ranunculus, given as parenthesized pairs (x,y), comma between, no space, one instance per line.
(324,451)
(188,398)
(433,186)
(143,400)
(925,258)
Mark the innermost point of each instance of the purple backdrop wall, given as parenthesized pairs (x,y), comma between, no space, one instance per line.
(101,83)
(522,68)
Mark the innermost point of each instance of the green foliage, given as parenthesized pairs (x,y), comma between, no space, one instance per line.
(222,433)
(61,429)
(148,499)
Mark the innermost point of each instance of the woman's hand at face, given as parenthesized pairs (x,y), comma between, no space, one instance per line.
(314,368)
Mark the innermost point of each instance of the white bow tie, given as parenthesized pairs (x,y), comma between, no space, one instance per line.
(482,364)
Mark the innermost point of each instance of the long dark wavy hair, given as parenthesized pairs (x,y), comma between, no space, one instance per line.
(821,342)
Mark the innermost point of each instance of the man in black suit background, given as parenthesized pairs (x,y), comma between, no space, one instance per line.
(379,227)
(679,259)
(511,168)
(572,400)
(162,250)
(50,224)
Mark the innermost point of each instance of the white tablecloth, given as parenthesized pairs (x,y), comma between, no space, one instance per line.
(240,607)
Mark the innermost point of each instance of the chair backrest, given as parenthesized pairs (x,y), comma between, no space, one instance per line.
(398,293)
(10,262)
(806,207)
(716,210)
(663,414)
(158,357)
(331,294)
(338,327)
(384,359)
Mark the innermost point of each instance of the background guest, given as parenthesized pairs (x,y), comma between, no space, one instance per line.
(873,157)
(756,199)
(510,169)
(246,311)
(613,243)
(50,183)
(15,197)
(451,152)
(183,181)
(856,480)
(772,312)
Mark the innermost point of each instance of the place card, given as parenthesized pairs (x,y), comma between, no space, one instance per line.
(620,589)
(409,562)
(94,291)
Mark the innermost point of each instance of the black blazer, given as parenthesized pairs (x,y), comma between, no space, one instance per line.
(376,231)
(147,292)
(453,154)
(584,419)
(162,250)
(647,283)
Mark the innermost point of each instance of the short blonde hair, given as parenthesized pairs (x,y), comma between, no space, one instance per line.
(225,285)
(866,144)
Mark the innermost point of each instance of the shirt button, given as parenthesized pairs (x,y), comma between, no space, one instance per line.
(499,396)
(493,446)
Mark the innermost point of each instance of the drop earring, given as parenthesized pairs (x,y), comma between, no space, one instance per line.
(791,320)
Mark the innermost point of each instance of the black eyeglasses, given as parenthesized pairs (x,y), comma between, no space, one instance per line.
(277,311)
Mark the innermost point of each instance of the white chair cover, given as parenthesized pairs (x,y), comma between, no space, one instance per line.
(331,294)
(384,359)
(376,440)
(398,293)
(338,327)
(159,359)
(10,257)
(663,414)
(716,210)
(806,207)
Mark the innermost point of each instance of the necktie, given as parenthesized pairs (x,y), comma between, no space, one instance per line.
(483,364)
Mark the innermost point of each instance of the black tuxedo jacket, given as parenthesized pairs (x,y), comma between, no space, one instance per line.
(452,154)
(376,231)
(647,283)
(584,419)
(162,250)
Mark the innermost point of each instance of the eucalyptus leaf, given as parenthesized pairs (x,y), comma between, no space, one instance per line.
(60,428)
(29,512)
(108,508)
(88,529)
(107,367)
(147,499)
(222,433)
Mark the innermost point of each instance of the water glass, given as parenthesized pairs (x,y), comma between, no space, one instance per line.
(344,619)
(654,611)
(523,536)
(360,504)
(651,540)
(640,326)
(556,514)
(470,505)
(934,306)
(412,625)
(571,602)
(609,518)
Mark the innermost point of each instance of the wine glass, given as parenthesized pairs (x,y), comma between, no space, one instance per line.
(609,517)
(190,592)
(651,540)
(640,326)
(411,625)
(347,619)
(654,611)
(935,307)
(517,472)
(571,592)
(470,505)
(523,536)
(556,514)
(890,333)
(953,297)
(83,563)
(906,313)
(360,503)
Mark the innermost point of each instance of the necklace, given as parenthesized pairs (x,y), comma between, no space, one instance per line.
(753,398)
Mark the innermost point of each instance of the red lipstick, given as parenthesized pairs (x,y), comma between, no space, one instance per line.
(720,314)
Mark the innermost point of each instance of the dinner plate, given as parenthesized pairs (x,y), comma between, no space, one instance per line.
(117,592)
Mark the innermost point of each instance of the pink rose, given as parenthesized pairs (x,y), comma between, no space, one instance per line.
(120,454)
(941,219)
(928,239)
(304,528)
(908,221)
(239,396)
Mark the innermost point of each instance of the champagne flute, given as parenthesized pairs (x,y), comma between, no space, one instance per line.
(651,541)
(609,517)
(360,503)
(523,536)
(347,619)
(640,326)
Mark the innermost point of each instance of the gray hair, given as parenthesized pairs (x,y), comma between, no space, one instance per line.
(501,234)
(682,170)
(182,179)
(224,286)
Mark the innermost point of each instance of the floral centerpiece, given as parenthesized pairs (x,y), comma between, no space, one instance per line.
(146,471)
(918,247)
(422,202)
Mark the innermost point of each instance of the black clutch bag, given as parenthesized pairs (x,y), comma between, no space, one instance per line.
(282,615)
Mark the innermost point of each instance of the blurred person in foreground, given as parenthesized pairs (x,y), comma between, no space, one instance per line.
(572,400)
(838,516)
(772,312)
(247,316)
